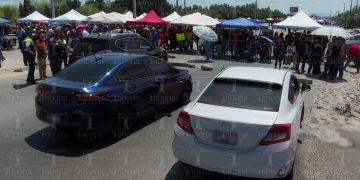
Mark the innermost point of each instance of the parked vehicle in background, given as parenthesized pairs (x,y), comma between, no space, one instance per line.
(353,40)
(246,122)
(117,43)
(109,92)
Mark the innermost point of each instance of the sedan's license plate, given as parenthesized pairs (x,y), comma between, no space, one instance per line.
(225,137)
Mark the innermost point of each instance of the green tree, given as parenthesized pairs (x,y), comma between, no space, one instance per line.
(9,12)
(88,9)
(100,4)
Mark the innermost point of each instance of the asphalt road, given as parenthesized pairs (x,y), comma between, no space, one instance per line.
(30,149)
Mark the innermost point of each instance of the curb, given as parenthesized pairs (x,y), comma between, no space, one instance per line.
(182,64)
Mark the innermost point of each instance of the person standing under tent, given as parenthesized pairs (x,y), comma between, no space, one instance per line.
(332,55)
(180,38)
(316,54)
(189,36)
(153,36)
(280,53)
(342,57)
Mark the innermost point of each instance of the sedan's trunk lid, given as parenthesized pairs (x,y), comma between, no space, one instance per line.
(228,127)
(57,91)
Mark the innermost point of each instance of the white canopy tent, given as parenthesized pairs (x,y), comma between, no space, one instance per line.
(33,17)
(97,14)
(173,16)
(122,17)
(141,16)
(117,18)
(196,19)
(129,14)
(69,17)
(99,18)
(331,31)
(300,21)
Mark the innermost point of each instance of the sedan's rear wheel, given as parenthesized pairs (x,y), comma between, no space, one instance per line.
(123,122)
(185,94)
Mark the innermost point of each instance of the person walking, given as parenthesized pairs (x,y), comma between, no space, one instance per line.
(30,53)
(41,51)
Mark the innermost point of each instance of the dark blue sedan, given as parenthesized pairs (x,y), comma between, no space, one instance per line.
(109,92)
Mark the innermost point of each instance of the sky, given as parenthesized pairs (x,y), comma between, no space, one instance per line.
(316,7)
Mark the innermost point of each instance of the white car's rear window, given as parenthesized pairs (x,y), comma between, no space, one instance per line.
(243,94)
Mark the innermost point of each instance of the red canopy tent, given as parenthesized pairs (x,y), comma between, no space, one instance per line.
(150,19)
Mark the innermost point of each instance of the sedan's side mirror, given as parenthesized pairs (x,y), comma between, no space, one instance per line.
(305,88)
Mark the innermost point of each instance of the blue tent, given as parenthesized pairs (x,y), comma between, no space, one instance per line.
(240,23)
(4,21)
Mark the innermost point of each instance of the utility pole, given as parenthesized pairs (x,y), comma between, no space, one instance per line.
(351,6)
(177,6)
(134,8)
(256,6)
(53,8)
(184,4)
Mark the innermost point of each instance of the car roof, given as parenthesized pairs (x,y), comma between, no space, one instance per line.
(115,58)
(254,74)
(107,36)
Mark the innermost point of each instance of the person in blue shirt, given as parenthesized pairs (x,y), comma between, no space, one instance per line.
(20,34)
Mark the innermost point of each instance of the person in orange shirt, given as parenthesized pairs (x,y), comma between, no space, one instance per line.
(41,54)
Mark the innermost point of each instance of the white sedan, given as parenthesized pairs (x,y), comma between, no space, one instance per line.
(245,122)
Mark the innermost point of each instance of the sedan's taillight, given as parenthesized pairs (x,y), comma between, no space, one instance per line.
(88,98)
(277,134)
(183,121)
(39,89)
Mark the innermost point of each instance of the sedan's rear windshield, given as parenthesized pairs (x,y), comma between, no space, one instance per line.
(243,94)
(86,70)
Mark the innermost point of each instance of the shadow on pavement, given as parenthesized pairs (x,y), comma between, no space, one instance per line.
(21,86)
(181,171)
(79,143)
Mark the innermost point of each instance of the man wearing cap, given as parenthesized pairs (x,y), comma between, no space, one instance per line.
(29,52)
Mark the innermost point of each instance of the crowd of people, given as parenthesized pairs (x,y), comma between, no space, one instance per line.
(291,48)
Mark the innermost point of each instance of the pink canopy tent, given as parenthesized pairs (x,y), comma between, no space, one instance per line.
(150,19)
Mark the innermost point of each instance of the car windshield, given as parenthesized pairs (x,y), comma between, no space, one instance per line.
(93,46)
(86,71)
(243,94)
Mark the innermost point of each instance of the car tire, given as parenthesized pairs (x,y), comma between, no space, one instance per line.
(124,121)
(185,94)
